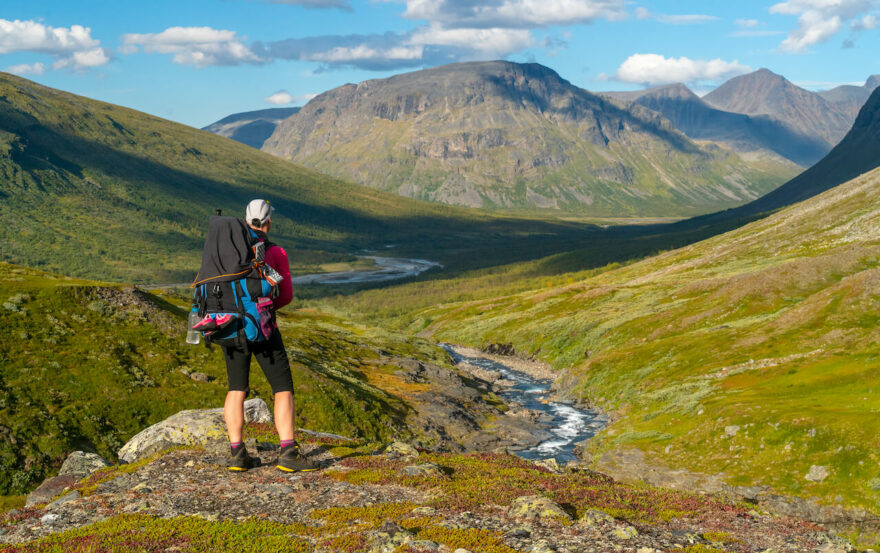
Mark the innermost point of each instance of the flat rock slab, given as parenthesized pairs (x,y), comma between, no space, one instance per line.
(50,488)
(193,427)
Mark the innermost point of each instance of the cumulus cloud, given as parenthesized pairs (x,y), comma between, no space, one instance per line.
(686,19)
(818,20)
(198,46)
(643,13)
(512,14)
(485,42)
(71,47)
(866,23)
(654,69)
(282,97)
(372,52)
(25,69)
(316,4)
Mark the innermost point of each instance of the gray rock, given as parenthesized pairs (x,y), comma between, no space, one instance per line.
(66,498)
(398,450)
(536,507)
(519,532)
(424,545)
(424,511)
(50,519)
(194,427)
(550,464)
(256,410)
(594,517)
(200,377)
(817,473)
(731,430)
(389,537)
(625,532)
(426,470)
(542,546)
(50,489)
(81,464)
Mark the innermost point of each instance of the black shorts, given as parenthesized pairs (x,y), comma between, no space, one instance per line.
(272,359)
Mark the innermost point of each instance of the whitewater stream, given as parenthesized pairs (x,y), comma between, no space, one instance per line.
(567,424)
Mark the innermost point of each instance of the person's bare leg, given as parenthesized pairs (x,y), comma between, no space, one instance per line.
(285,415)
(233,414)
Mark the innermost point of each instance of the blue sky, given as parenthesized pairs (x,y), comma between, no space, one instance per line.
(199,60)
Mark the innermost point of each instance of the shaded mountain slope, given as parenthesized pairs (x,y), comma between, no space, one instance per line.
(502,134)
(743,133)
(251,127)
(766,93)
(92,189)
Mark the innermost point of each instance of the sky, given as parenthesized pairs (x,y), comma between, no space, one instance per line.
(196,61)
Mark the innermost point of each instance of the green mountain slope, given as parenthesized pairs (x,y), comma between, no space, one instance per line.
(500,134)
(85,365)
(753,354)
(96,190)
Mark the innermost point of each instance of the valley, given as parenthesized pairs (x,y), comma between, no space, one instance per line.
(734,352)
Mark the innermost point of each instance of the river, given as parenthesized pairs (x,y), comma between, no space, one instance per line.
(566,423)
(387,268)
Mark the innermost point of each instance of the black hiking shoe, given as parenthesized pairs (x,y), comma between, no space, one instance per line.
(291,460)
(240,461)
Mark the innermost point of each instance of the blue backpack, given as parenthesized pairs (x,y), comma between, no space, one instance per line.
(234,288)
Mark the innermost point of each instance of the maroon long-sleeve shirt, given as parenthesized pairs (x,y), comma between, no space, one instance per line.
(276,258)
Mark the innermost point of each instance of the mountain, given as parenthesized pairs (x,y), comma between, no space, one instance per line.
(251,127)
(856,154)
(852,98)
(757,135)
(96,190)
(501,134)
(766,93)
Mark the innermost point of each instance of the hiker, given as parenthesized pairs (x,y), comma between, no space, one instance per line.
(219,288)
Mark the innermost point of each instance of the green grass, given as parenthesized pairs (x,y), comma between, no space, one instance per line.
(86,366)
(771,327)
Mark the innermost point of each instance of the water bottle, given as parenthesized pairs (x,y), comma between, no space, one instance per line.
(192,336)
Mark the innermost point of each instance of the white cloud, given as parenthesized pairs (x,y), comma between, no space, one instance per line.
(521,14)
(485,42)
(642,13)
(198,46)
(27,69)
(72,47)
(282,97)
(746,23)
(686,19)
(867,23)
(654,69)
(818,20)
(362,52)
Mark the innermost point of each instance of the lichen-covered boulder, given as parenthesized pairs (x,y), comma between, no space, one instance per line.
(427,470)
(594,517)
(625,533)
(389,537)
(398,450)
(536,507)
(192,427)
(82,463)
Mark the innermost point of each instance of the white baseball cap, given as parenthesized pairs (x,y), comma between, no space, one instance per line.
(260,210)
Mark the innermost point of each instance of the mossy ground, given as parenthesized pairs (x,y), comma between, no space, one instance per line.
(480,485)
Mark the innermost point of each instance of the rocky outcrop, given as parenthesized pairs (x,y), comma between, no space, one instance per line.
(77,466)
(193,427)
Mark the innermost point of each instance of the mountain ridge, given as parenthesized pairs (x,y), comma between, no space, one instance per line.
(511,135)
